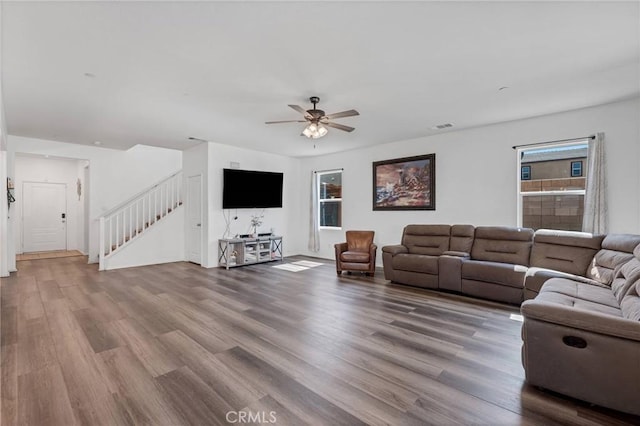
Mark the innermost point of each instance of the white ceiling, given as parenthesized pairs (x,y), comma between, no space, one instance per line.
(165,71)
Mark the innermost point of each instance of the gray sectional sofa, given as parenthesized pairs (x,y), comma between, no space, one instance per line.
(505,264)
(583,340)
(581,293)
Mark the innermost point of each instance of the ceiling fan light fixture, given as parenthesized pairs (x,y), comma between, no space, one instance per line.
(307,131)
(314,131)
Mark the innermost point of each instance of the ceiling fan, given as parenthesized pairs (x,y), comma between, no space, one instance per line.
(317,120)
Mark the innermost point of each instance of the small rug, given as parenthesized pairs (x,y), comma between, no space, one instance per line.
(301,265)
(307,263)
(290,267)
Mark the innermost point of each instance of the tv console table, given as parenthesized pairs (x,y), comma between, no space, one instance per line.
(234,252)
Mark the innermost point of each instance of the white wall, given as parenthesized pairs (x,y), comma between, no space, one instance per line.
(115,175)
(51,170)
(285,221)
(161,243)
(476,173)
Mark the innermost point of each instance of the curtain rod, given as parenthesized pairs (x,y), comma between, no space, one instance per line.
(561,140)
(328,170)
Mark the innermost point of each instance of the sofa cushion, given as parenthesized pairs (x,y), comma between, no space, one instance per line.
(354,256)
(536,277)
(582,291)
(577,303)
(616,250)
(569,238)
(565,251)
(426,239)
(461,238)
(631,303)
(494,272)
(626,276)
(502,244)
(416,263)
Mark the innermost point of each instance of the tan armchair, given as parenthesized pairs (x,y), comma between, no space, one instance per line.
(357,254)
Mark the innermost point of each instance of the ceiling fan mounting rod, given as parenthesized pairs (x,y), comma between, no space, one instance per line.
(314,100)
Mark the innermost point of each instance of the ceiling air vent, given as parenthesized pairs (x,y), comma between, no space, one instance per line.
(442,126)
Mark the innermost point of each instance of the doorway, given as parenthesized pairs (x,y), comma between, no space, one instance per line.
(44,216)
(194,219)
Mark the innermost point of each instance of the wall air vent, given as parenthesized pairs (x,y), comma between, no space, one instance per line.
(191,138)
(442,126)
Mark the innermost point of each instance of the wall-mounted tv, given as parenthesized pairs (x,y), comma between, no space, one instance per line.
(247,189)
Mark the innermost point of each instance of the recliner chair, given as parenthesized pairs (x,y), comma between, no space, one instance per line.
(358,253)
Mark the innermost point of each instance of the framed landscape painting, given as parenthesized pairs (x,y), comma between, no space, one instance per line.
(405,183)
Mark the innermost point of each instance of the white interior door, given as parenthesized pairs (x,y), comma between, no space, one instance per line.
(194,219)
(44,216)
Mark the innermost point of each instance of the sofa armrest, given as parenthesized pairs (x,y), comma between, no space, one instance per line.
(450,270)
(340,247)
(395,249)
(594,322)
(456,253)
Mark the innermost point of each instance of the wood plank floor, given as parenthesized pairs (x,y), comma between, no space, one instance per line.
(178,344)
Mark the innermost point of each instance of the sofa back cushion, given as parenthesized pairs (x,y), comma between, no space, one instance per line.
(564,251)
(359,241)
(616,250)
(426,239)
(461,238)
(502,244)
(630,305)
(626,276)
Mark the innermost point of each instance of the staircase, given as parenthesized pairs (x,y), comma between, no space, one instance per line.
(129,221)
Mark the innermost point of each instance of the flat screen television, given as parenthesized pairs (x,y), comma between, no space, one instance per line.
(247,189)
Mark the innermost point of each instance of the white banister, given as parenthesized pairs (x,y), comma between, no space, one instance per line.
(137,215)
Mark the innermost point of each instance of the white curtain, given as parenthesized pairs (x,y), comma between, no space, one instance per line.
(314,226)
(595,198)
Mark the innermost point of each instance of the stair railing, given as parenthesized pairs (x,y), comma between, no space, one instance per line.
(121,225)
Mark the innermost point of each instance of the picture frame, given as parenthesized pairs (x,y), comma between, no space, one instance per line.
(407,183)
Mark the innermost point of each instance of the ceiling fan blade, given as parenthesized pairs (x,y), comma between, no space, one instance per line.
(340,126)
(300,110)
(349,113)
(285,121)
